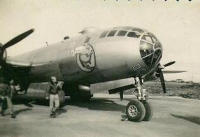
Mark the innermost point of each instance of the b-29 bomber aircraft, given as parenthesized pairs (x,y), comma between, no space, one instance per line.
(94,56)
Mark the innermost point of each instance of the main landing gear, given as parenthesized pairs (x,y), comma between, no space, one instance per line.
(139,109)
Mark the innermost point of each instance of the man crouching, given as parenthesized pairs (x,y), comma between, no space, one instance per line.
(53,89)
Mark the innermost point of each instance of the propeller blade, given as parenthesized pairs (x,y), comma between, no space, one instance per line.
(121,93)
(174,71)
(17,39)
(162,80)
(170,63)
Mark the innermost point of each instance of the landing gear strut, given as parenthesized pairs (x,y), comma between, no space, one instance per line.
(140,109)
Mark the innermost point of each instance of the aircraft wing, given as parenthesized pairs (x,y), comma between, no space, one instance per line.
(22,64)
(17,70)
(17,63)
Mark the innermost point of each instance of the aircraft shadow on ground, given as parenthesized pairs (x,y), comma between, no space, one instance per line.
(61,110)
(29,103)
(21,110)
(99,104)
(41,102)
(193,119)
(94,104)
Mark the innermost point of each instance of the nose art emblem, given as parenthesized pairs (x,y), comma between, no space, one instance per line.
(85,57)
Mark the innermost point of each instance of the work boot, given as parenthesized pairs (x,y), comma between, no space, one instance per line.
(13,116)
(2,113)
(52,115)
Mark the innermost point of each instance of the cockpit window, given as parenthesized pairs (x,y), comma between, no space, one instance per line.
(103,34)
(133,34)
(138,30)
(121,33)
(147,38)
(157,56)
(154,39)
(146,49)
(112,33)
(157,45)
(150,49)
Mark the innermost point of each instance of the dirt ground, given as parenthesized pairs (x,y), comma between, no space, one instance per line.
(102,117)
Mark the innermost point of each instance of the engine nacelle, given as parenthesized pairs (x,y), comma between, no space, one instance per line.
(78,92)
(38,91)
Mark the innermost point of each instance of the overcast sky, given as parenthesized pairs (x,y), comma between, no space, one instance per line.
(176,24)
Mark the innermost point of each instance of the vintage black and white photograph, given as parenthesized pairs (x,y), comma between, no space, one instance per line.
(99,68)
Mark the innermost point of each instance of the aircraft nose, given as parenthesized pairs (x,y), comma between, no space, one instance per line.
(150,49)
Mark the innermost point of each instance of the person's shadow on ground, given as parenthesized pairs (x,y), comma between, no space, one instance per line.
(61,110)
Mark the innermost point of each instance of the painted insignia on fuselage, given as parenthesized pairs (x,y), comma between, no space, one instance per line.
(85,57)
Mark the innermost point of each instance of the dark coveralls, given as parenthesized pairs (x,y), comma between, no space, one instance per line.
(53,91)
(6,93)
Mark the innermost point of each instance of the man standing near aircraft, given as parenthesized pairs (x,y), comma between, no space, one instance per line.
(11,92)
(3,88)
(53,90)
(7,93)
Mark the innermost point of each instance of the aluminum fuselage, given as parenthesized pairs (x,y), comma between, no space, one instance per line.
(86,59)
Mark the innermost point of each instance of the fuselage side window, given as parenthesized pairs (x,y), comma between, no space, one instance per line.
(133,34)
(121,33)
(112,33)
(103,34)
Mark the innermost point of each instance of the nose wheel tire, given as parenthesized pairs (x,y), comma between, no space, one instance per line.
(135,111)
(149,111)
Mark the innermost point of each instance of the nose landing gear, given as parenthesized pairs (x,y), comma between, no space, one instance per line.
(139,109)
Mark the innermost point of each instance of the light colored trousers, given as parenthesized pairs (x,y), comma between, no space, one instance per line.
(54,102)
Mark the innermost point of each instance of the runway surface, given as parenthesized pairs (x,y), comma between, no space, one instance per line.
(102,117)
